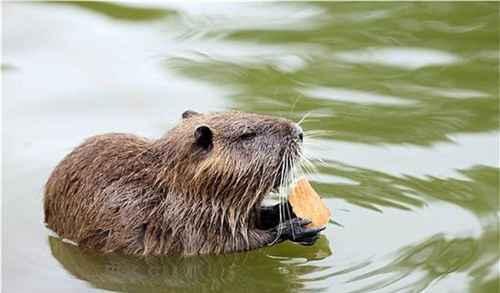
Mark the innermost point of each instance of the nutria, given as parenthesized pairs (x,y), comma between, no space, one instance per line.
(196,190)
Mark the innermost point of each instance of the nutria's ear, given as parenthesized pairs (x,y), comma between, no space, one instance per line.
(189,113)
(203,136)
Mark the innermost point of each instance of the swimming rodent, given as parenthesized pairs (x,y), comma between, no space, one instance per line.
(196,190)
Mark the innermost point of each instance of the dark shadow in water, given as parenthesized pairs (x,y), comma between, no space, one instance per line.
(120,11)
(264,270)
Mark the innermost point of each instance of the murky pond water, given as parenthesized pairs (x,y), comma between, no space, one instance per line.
(401,105)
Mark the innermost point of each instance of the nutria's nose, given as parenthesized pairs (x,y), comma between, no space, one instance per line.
(297,132)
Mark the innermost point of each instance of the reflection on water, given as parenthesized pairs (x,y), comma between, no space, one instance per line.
(267,269)
(434,258)
(400,103)
(120,11)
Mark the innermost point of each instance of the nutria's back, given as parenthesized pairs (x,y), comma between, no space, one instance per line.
(196,190)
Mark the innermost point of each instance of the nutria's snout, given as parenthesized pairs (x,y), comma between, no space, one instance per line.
(297,132)
(292,130)
(297,139)
(291,145)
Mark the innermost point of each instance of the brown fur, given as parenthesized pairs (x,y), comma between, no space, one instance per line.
(120,192)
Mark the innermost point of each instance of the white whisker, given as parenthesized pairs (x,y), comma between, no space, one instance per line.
(304,118)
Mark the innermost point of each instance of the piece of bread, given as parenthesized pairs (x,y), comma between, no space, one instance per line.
(307,204)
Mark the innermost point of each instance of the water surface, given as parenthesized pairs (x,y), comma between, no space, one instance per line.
(400,102)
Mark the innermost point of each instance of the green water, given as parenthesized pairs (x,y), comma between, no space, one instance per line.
(400,102)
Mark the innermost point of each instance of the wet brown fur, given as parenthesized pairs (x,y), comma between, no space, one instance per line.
(121,192)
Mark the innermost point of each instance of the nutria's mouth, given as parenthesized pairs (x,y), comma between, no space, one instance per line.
(287,172)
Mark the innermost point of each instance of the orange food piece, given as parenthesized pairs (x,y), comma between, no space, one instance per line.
(307,204)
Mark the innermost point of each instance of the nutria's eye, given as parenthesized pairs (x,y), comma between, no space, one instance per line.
(248,135)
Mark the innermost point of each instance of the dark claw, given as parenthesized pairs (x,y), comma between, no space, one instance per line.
(295,230)
(307,232)
(269,216)
(297,222)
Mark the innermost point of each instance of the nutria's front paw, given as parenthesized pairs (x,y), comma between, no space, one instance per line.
(269,216)
(295,230)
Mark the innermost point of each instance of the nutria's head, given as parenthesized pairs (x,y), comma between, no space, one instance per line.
(231,157)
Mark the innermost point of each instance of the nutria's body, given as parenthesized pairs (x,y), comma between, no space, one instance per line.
(197,190)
